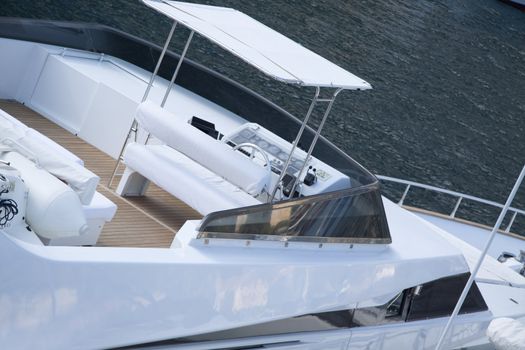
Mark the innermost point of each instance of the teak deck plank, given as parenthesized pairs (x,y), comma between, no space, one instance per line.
(148,221)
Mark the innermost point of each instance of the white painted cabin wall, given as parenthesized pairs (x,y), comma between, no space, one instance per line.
(16,61)
(92,98)
(83,105)
(63,94)
(107,119)
(36,75)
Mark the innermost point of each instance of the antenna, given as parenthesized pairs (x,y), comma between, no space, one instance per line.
(495,229)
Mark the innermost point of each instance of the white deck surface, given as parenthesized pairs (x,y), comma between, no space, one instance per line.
(477,236)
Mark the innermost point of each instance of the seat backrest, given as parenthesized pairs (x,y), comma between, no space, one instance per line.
(213,154)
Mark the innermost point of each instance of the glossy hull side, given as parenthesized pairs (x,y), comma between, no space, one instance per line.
(83,298)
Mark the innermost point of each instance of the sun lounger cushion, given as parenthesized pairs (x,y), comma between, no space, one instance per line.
(213,154)
(44,141)
(54,158)
(197,186)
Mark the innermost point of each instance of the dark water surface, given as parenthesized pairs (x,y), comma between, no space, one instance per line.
(448,105)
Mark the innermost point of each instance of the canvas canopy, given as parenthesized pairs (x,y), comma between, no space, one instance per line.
(262,47)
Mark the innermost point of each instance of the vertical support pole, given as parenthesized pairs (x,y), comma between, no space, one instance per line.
(509,226)
(316,138)
(481,258)
(134,125)
(456,207)
(161,57)
(181,59)
(402,200)
(296,142)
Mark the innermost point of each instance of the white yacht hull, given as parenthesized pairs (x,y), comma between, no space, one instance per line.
(77,298)
(90,298)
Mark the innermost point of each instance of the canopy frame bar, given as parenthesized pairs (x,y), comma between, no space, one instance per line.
(134,126)
(161,57)
(295,143)
(314,102)
(316,137)
(176,73)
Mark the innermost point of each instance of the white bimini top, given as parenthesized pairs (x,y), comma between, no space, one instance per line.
(262,47)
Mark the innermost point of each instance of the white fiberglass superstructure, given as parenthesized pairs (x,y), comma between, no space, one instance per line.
(284,247)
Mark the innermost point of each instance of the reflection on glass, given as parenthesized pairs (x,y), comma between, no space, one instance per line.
(352,216)
(395,307)
(391,312)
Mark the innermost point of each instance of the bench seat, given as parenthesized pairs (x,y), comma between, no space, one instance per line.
(97,210)
(182,177)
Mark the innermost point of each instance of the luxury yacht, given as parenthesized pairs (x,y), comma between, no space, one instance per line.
(147,201)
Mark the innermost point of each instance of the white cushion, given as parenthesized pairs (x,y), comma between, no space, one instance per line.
(100,208)
(15,122)
(212,154)
(198,187)
(53,208)
(52,146)
(506,334)
(82,181)
(43,140)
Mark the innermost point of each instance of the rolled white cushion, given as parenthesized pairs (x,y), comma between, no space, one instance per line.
(182,177)
(53,208)
(212,154)
(506,334)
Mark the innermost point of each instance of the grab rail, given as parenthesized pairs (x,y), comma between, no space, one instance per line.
(460,196)
(95,56)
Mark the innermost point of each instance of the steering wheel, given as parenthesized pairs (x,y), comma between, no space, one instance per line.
(254,148)
(252,156)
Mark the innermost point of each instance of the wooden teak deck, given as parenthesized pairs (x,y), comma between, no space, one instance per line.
(148,221)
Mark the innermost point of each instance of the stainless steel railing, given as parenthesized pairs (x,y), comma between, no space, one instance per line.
(100,57)
(458,195)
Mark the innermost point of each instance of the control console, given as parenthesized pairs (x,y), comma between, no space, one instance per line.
(317,176)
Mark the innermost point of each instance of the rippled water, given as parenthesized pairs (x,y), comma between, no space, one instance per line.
(448,105)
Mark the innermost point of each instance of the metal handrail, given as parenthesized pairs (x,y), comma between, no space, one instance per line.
(94,56)
(460,197)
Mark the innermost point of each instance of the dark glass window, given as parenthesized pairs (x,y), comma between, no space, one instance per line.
(438,298)
(432,299)
(349,216)
(395,307)
(393,311)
